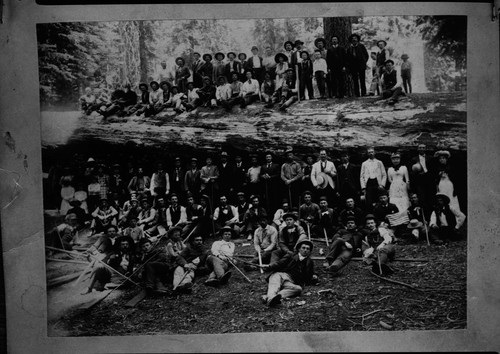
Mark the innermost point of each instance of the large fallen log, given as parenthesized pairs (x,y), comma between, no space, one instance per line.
(62,280)
(66,260)
(355,259)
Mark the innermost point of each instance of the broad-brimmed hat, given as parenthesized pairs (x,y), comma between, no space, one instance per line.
(154,82)
(290,215)
(307,242)
(351,218)
(442,153)
(165,83)
(75,203)
(90,160)
(194,159)
(240,194)
(322,180)
(444,197)
(395,154)
(180,58)
(317,40)
(207,55)
(288,42)
(103,200)
(219,53)
(233,53)
(197,53)
(389,61)
(404,56)
(382,191)
(305,51)
(254,47)
(204,196)
(206,78)
(354,35)
(369,217)
(297,42)
(382,41)
(173,229)
(142,84)
(306,192)
(223,78)
(277,57)
(227,228)
(224,153)
(289,70)
(414,224)
(134,198)
(323,198)
(239,55)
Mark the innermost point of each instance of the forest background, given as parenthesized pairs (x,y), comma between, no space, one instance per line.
(75,55)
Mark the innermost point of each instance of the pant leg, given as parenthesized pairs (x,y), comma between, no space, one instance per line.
(341,260)
(386,254)
(355,79)
(334,250)
(275,282)
(362,81)
(276,255)
(181,278)
(289,288)
(218,266)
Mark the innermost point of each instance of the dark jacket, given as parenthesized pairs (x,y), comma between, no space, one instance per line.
(380,212)
(336,58)
(190,253)
(357,57)
(306,69)
(232,67)
(301,272)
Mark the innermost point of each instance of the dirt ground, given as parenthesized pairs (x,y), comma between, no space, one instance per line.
(357,300)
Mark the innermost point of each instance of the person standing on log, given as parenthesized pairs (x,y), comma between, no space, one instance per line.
(296,58)
(242,57)
(372,177)
(181,74)
(196,66)
(305,76)
(336,63)
(288,51)
(256,66)
(357,56)
(232,67)
(219,68)
(382,57)
(207,68)
(291,175)
(269,62)
(209,176)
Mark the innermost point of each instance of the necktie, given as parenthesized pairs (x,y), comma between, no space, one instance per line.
(323,166)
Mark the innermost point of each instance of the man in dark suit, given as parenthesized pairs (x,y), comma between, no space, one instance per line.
(290,274)
(232,66)
(270,173)
(192,181)
(422,179)
(348,177)
(195,68)
(226,176)
(357,56)
(239,176)
(177,184)
(336,62)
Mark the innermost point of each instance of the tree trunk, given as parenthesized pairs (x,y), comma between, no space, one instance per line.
(143,63)
(338,26)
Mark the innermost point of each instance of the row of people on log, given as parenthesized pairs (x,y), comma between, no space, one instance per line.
(174,263)
(247,81)
(269,179)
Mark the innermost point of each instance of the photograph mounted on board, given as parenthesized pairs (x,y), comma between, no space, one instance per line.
(256,175)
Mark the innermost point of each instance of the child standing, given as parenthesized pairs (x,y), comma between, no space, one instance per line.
(319,69)
(406,73)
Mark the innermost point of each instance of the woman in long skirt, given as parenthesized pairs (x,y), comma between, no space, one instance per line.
(397,176)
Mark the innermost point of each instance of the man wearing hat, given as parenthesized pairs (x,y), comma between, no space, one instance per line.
(77,210)
(265,240)
(372,177)
(270,176)
(226,176)
(343,246)
(281,66)
(232,66)
(194,213)
(242,206)
(288,91)
(147,217)
(219,66)
(288,51)
(320,45)
(291,175)
(196,66)
(382,57)
(377,247)
(351,210)
(239,175)
(252,216)
(406,69)
(278,221)
(255,65)
(131,208)
(323,176)
(296,58)
(327,221)
(217,261)
(383,207)
(103,216)
(290,274)
(242,58)
(160,182)
(141,106)
(288,237)
(192,180)
(177,173)
(207,68)
(336,63)
(181,74)
(391,88)
(305,75)
(320,69)
(209,176)
(445,221)
(191,260)
(225,214)
(356,59)
(422,176)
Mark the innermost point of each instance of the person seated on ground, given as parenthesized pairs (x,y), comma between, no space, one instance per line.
(417,226)
(174,244)
(250,90)
(157,270)
(176,213)
(223,93)
(288,237)
(160,221)
(287,93)
(194,212)
(345,243)
(192,97)
(147,216)
(121,259)
(278,221)
(190,262)
(290,274)
(147,253)
(252,215)
(351,210)
(226,215)
(133,230)
(167,94)
(218,260)
(267,88)
(309,212)
(88,102)
(103,216)
(206,94)
(130,209)
(236,86)
(327,220)
(242,207)
(177,100)
(140,106)
(139,184)
(445,221)
(155,100)
(377,247)
(63,235)
(265,240)
(106,242)
(82,218)
(391,88)
(384,208)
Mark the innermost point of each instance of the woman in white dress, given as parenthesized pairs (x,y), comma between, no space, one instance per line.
(282,66)
(397,176)
(444,181)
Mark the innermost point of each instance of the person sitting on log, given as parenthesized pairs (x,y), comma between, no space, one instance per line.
(218,261)
(309,212)
(289,236)
(206,94)
(190,262)
(140,106)
(250,91)
(166,88)
(267,88)
(103,216)
(236,86)
(288,92)
(251,218)
(391,88)
(155,100)
(192,97)
(377,247)
(265,240)
(121,101)
(88,102)
(112,106)
(147,216)
(327,220)
(178,100)
(226,215)
(290,274)
(223,93)
(344,244)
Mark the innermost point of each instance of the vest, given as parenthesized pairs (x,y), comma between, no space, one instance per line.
(175,215)
(225,217)
(390,79)
(450,217)
(291,238)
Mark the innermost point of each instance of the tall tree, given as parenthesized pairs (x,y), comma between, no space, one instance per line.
(339,26)
(146,53)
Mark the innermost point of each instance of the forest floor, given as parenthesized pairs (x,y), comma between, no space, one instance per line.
(428,118)
(357,300)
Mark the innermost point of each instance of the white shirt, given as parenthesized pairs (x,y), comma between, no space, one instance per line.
(252,87)
(256,61)
(156,96)
(223,92)
(222,248)
(459,216)
(319,65)
(192,95)
(421,159)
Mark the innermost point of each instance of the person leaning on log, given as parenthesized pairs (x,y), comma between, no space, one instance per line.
(344,244)
(190,262)
(290,274)
(377,247)
(391,86)
(155,99)
(288,237)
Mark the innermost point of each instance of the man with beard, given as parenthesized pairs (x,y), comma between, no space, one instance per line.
(225,176)
(190,262)
(336,62)
(252,216)
(270,174)
(308,212)
(351,210)
(139,184)
(193,212)
(327,223)
(225,215)
(372,177)
(348,177)
(384,208)
(160,182)
(192,179)
(289,236)
(344,244)
(357,56)
(377,247)
(176,214)
(291,175)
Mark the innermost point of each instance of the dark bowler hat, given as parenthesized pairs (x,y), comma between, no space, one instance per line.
(389,61)
(290,215)
(154,82)
(306,192)
(239,55)
(307,242)
(142,84)
(233,53)
(382,191)
(354,35)
(305,51)
(254,47)
(445,198)
(298,42)
(164,83)
(204,196)
(382,41)
(180,58)
(351,218)
(277,57)
(196,53)
(369,217)
(404,56)
(207,55)
(317,40)
(240,194)
(288,42)
(219,53)
(289,70)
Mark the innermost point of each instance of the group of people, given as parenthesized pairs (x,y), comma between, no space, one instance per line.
(359,210)
(273,78)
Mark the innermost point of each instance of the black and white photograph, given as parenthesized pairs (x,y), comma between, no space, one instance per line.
(215,176)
